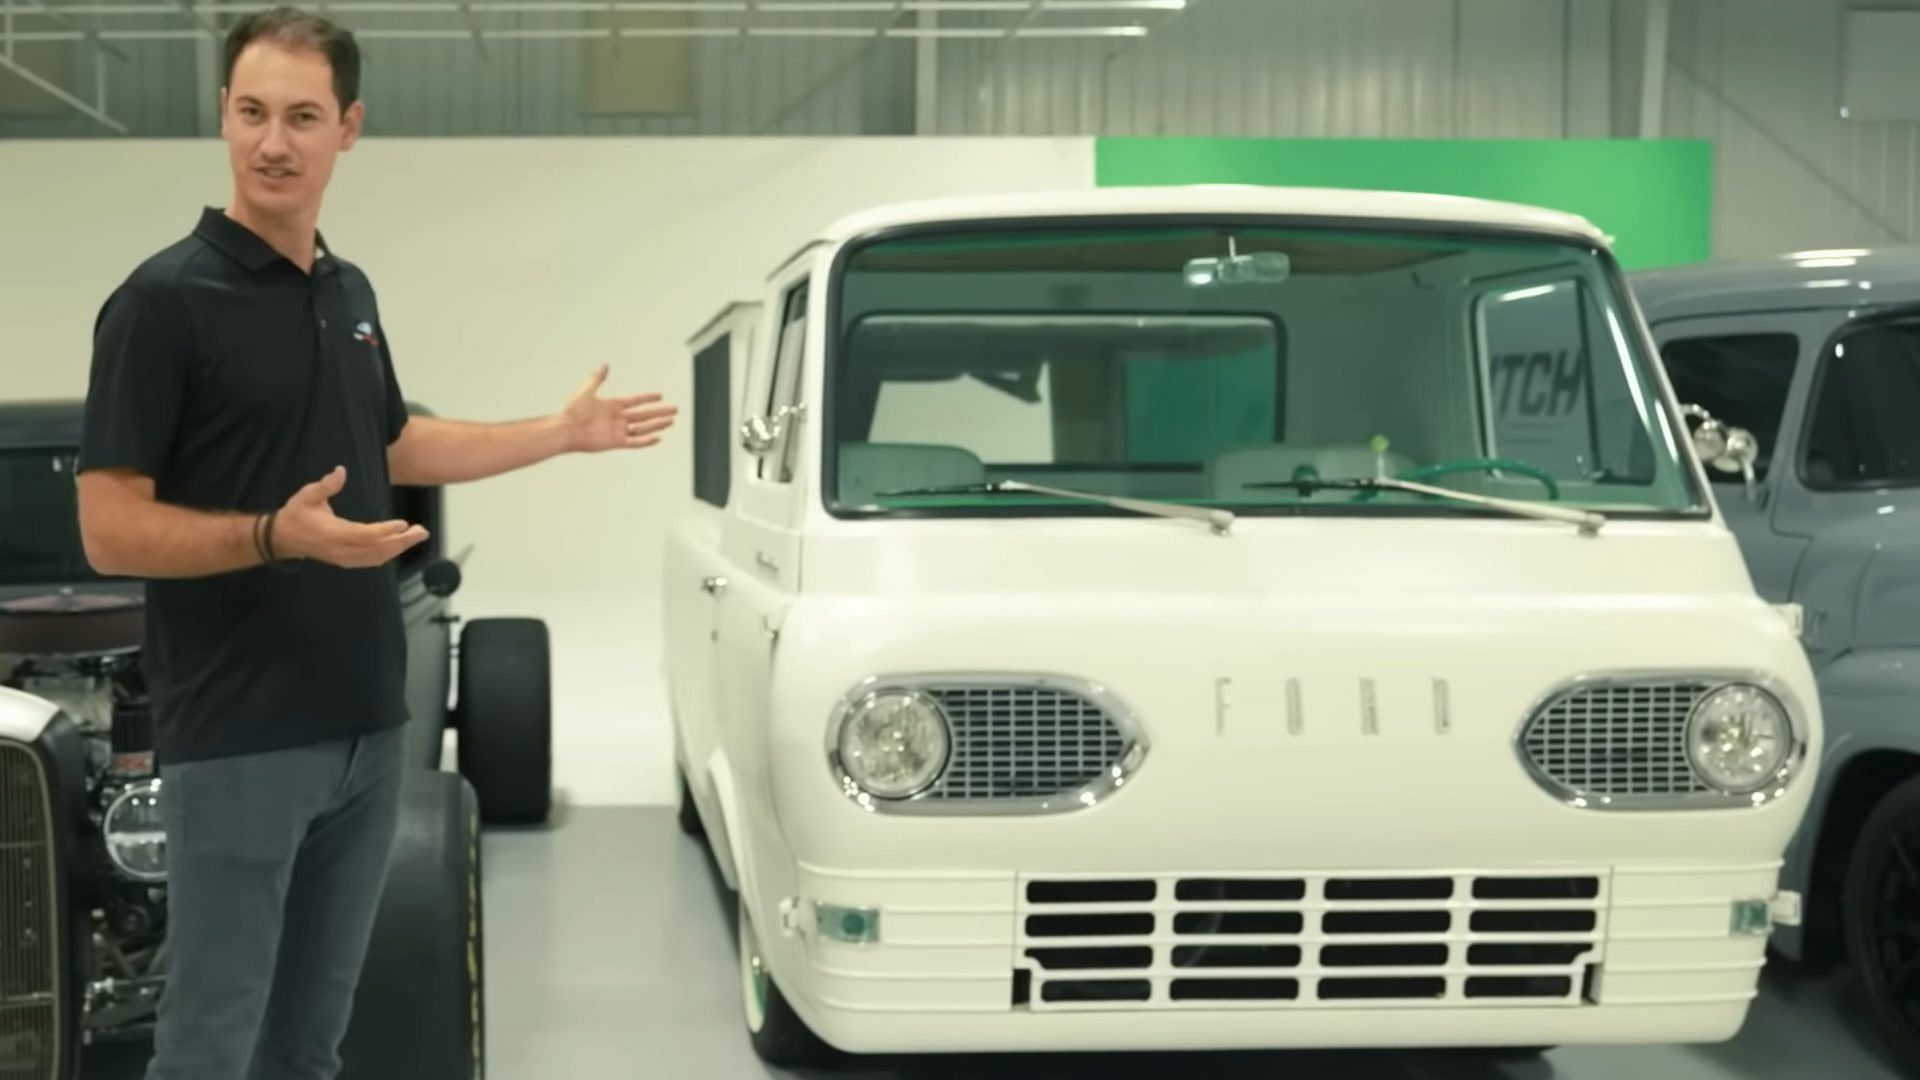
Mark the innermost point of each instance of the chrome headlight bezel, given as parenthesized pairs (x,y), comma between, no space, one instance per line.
(1714,681)
(932,802)
(1776,773)
(870,697)
(150,791)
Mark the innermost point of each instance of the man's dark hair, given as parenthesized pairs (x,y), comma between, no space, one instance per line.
(294,28)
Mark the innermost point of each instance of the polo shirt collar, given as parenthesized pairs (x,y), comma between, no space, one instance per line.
(245,246)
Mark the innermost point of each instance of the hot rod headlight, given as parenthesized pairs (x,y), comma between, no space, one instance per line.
(1739,739)
(135,836)
(893,744)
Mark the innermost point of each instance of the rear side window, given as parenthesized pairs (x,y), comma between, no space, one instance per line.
(712,422)
(1742,379)
(1864,428)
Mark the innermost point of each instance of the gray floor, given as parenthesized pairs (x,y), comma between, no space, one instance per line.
(610,956)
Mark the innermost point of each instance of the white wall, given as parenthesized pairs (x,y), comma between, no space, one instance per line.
(1762,80)
(507,270)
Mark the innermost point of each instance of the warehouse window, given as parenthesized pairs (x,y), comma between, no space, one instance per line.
(1742,379)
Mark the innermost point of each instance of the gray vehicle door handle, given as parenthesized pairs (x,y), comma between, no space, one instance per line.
(713,586)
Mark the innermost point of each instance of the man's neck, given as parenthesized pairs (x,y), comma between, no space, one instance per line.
(293,237)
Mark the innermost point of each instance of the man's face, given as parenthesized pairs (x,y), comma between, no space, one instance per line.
(284,127)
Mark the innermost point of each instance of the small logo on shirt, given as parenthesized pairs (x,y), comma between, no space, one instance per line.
(364,333)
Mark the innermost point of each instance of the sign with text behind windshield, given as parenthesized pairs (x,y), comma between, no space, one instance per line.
(1537,377)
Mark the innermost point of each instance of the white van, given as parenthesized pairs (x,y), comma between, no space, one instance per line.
(1206,618)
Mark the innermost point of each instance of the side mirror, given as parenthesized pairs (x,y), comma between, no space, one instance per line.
(760,434)
(757,435)
(1725,447)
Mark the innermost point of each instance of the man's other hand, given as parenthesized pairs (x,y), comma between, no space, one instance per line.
(307,528)
(595,424)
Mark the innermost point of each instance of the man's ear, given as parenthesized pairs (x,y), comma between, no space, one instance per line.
(223,111)
(355,117)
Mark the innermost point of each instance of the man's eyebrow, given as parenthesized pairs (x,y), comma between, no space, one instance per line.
(249,99)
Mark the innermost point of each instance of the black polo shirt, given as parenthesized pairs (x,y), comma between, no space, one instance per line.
(233,378)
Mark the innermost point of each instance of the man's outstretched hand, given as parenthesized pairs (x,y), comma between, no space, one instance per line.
(307,528)
(594,423)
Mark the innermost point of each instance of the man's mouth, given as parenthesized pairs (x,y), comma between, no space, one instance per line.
(275,172)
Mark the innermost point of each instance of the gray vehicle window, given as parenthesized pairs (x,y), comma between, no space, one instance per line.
(40,518)
(1863,425)
(1742,379)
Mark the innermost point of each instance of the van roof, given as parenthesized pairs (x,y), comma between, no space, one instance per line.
(1232,199)
(1796,281)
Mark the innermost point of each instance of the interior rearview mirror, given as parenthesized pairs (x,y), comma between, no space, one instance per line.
(1259,268)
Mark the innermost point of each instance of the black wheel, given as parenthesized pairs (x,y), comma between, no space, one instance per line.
(779,1036)
(505,707)
(420,1010)
(1882,917)
(690,823)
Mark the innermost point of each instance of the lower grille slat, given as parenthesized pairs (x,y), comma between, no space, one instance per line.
(1318,942)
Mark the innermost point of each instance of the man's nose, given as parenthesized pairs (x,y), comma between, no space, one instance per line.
(274,142)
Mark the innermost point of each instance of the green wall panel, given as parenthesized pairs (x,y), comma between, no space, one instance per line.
(1654,197)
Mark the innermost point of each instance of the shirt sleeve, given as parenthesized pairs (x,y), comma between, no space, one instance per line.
(396,401)
(143,349)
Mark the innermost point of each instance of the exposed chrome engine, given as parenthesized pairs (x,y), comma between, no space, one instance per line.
(124,877)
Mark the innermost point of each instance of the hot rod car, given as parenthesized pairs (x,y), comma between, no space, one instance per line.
(83,867)
(1817,354)
(1215,618)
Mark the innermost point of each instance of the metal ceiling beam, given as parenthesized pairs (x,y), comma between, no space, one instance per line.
(1026,8)
(597,34)
(86,108)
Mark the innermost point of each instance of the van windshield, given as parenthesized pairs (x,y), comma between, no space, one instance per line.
(1213,365)
(40,518)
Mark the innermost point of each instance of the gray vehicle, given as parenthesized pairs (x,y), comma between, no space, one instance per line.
(1817,356)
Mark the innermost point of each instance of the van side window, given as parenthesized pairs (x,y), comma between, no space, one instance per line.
(1862,430)
(784,387)
(712,422)
(1742,379)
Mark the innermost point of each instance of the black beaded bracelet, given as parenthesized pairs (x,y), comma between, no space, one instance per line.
(266,537)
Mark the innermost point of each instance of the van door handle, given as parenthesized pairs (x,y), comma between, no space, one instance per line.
(766,562)
(713,586)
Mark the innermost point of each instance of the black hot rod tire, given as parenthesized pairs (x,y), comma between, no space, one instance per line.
(505,717)
(1880,909)
(419,1011)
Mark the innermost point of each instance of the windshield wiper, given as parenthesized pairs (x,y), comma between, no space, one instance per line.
(1216,519)
(1588,521)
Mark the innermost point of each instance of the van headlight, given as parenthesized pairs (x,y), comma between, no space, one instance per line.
(1739,739)
(894,743)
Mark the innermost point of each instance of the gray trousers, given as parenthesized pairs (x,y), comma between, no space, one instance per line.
(276,863)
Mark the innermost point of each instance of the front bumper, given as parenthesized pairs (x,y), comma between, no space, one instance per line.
(1204,960)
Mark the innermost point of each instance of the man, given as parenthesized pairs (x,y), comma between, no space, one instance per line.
(244,427)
